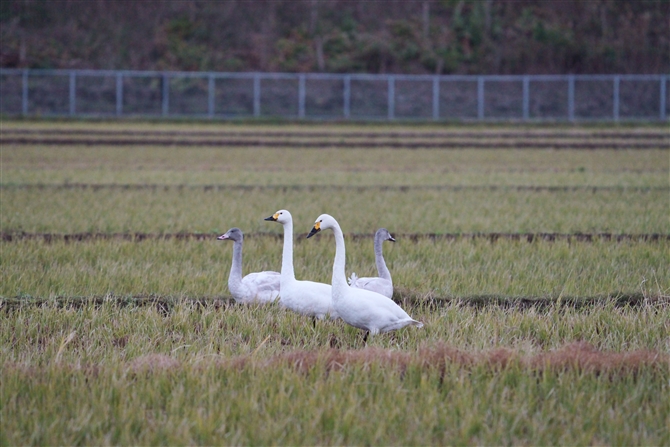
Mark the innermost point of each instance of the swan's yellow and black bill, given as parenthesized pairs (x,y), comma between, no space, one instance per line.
(274,217)
(316,229)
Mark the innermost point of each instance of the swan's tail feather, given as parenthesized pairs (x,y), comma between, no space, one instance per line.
(416,323)
(352,279)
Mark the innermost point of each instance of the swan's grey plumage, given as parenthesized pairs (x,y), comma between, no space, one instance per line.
(360,308)
(262,287)
(305,297)
(383,283)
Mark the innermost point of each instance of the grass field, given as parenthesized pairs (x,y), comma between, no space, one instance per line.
(112,338)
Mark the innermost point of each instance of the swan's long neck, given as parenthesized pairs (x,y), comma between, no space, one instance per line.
(287,253)
(382,270)
(339,277)
(235,276)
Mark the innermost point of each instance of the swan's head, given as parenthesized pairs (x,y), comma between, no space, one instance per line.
(234,234)
(324,222)
(385,235)
(281,216)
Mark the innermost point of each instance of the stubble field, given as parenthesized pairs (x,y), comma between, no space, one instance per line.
(537,258)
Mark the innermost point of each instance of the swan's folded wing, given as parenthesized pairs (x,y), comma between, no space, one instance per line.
(265,285)
(376,284)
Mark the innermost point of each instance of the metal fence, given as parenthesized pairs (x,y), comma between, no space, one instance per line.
(107,93)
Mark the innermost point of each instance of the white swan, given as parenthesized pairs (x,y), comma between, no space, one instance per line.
(305,297)
(383,283)
(360,308)
(262,287)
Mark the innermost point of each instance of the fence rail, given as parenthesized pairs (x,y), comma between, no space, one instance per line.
(318,96)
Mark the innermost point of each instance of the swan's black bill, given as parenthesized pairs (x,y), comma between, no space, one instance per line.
(271,218)
(313,232)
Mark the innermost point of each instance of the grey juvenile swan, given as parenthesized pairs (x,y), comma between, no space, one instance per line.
(383,283)
(260,287)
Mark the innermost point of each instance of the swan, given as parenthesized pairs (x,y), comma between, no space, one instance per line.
(305,297)
(363,309)
(261,287)
(383,283)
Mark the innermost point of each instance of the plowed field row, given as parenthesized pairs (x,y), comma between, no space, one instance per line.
(512,134)
(166,303)
(340,144)
(404,188)
(414,237)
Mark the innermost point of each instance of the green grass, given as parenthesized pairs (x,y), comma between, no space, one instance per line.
(424,269)
(120,342)
(208,404)
(212,160)
(401,211)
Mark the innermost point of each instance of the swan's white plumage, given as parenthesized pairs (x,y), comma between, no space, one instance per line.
(260,287)
(305,297)
(382,284)
(374,284)
(360,308)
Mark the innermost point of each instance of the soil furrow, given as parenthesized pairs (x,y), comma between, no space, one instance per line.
(339,144)
(638,135)
(403,188)
(166,303)
(9,236)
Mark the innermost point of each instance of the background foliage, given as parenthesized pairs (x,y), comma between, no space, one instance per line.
(448,36)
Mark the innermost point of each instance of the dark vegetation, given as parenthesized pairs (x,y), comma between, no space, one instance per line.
(423,37)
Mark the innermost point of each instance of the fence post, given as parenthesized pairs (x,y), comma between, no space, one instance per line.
(24,93)
(119,94)
(526,98)
(480,97)
(615,97)
(73,90)
(662,106)
(571,97)
(166,94)
(210,96)
(257,95)
(391,97)
(301,96)
(436,98)
(347,97)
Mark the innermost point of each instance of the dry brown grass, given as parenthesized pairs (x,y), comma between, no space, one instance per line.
(153,362)
(577,356)
(580,357)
